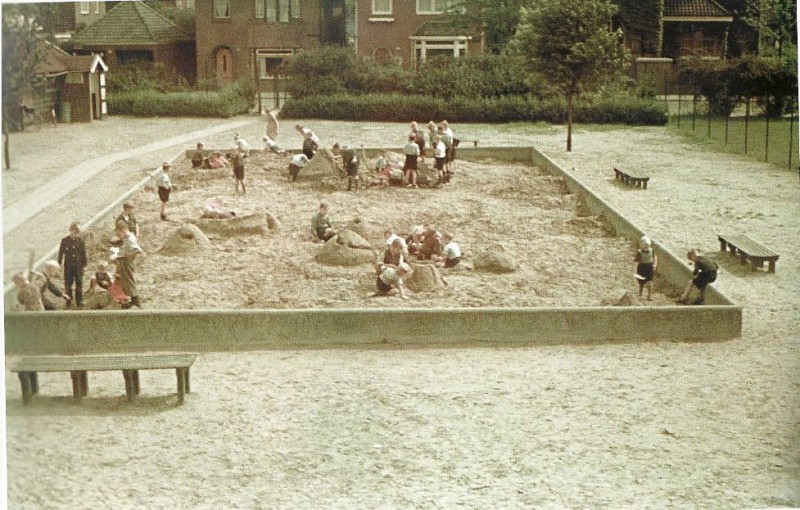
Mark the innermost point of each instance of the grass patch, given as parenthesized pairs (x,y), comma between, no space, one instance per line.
(780,149)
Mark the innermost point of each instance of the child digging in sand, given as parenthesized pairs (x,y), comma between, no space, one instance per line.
(646,263)
(705,272)
(451,253)
(390,281)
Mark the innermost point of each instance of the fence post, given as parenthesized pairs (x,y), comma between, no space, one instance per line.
(791,130)
(709,120)
(679,102)
(727,122)
(766,137)
(694,106)
(746,122)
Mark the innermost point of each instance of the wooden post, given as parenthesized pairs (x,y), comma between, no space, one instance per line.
(746,122)
(258,80)
(791,130)
(77,391)
(180,373)
(6,152)
(25,383)
(766,137)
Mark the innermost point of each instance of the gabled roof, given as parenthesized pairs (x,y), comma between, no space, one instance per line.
(130,24)
(56,61)
(695,10)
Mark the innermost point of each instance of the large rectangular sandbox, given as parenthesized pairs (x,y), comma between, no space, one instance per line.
(78,332)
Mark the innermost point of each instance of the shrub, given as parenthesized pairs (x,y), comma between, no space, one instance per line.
(623,109)
(142,75)
(230,100)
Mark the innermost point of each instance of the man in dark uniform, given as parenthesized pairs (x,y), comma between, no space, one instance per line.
(72,258)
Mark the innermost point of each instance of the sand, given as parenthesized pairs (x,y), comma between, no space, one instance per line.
(655,424)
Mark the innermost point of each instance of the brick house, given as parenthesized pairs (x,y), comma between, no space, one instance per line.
(66,18)
(132,31)
(239,38)
(410,31)
(695,27)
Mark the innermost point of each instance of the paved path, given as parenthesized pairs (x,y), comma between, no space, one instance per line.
(26,208)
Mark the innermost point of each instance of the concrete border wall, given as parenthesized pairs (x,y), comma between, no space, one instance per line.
(77,332)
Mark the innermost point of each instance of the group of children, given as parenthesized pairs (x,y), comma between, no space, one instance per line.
(646,263)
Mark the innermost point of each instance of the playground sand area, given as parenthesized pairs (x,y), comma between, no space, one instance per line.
(565,257)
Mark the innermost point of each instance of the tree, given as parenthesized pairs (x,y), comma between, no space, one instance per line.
(571,46)
(21,55)
(496,20)
(776,24)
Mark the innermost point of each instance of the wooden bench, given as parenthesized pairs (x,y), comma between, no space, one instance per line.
(27,368)
(637,181)
(747,249)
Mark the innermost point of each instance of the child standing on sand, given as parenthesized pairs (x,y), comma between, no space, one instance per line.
(646,263)
(237,161)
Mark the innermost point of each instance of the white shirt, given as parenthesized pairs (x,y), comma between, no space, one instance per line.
(242,144)
(391,239)
(299,160)
(389,276)
(163,180)
(441,150)
(451,250)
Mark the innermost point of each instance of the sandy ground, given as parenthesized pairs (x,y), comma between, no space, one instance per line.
(665,425)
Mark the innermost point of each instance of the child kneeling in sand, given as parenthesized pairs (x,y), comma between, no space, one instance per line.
(705,272)
(451,253)
(390,281)
(646,263)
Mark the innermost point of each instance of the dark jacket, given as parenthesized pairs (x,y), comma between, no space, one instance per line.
(72,252)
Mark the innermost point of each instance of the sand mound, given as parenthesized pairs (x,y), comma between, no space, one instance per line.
(346,249)
(625,299)
(253,224)
(366,228)
(424,278)
(321,165)
(494,259)
(186,240)
(100,301)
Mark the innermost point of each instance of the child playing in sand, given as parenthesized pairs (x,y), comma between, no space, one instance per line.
(216,161)
(271,146)
(198,159)
(237,161)
(296,164)
(321,224)
(705,271)
(390,281)
(411,151)
(349,164)
(393,256)
(451,253)
(440,158)
(28,295)
(101,279)
(646,263)
(164,188)
(240,144)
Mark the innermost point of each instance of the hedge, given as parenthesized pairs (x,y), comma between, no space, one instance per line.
(396,108)
(231,100)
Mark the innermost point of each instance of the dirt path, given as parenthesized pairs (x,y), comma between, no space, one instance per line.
(664,425)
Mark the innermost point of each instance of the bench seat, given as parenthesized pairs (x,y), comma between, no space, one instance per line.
(631,179)
(748,250)
(27,368)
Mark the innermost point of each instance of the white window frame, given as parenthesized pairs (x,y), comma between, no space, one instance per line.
(97,7)
(214,9)
(263,54)
(284,11)
(421,44)
(437,6)
(85,8)
(376,11)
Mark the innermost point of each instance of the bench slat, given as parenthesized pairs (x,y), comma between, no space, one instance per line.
(632,175)
(110,362)
(748,246)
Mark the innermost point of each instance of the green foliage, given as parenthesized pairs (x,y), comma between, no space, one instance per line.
(776,23)
(497,20)
(22,51)
(330,71)
(230,100)
(641,18)
(726,84)
(142,75)
(621,108)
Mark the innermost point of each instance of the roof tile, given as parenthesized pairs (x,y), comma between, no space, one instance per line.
(130,24)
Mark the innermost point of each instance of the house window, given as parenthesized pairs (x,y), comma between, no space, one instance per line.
(277,10)
(269,62)
(85,8)
(438,6)
(97,7)
(381,6)
(432,47)
(222,8)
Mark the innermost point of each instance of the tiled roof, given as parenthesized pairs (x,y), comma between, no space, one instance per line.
(130,24)
(56,61)
(694,9)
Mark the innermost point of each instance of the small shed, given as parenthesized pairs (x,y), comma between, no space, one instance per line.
(73,85)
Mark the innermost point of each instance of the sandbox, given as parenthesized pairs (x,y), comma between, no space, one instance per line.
(261,322)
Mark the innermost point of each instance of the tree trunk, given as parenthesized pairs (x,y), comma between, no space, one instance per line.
(6,152)
(569,123)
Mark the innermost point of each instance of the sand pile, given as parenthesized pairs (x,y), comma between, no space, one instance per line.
(366,228)
(187,239)
(424,278)
(322,165)
(346,249)
(495,259)
(259,223)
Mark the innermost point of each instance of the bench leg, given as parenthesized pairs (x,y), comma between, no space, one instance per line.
(771,266)
(136,382)
(644,184)
(77,384)
(181,374)
(186,384)
(34,382)
(723,246)
(84,379)
(742,258)
(129,386)
(25,383)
